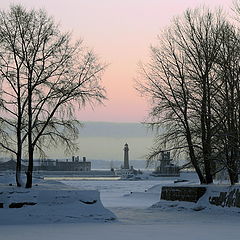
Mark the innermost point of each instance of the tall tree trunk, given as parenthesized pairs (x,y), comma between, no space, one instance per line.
(232,167)
(30,168)
(232,135)
(209,174)
(233,140)
(206,138)
(18,171)
(30,145)
(19,158)
(195,164)
(192,153)
(19,135)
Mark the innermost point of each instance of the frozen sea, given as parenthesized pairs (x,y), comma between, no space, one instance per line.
(131,202)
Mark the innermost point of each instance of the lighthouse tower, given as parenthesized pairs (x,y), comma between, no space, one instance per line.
(126,157)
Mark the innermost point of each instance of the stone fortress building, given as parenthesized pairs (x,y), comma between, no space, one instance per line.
(165,167)
(74,165)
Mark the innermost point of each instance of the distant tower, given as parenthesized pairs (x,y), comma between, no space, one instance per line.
(126,158)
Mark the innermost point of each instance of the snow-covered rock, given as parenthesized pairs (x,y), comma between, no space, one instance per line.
(217,198)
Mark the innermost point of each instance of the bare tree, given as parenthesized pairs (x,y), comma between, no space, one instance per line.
(13,99)
(57,76)
(168,87)
(227,105)
(181,82)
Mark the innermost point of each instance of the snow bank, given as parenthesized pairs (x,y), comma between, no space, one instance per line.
(49,202)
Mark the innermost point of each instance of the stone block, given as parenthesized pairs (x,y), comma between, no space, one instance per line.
(21,204)
(187,194)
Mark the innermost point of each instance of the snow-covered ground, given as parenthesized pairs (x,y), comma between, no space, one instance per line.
(131,202)
(49,202)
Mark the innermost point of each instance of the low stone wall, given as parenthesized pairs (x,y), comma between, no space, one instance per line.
(216,195)
(187,194)
(230,198)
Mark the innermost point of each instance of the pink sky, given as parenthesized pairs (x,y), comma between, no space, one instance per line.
(120,32)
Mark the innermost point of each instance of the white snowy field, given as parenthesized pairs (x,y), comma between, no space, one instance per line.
(131,202)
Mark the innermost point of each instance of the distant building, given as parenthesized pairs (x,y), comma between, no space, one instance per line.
(165,168)
(48,163)
(51,165)
(125,171)
(126,157)
(10,165)
(74,165)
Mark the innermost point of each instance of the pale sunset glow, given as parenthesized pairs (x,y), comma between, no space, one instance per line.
(120,32)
